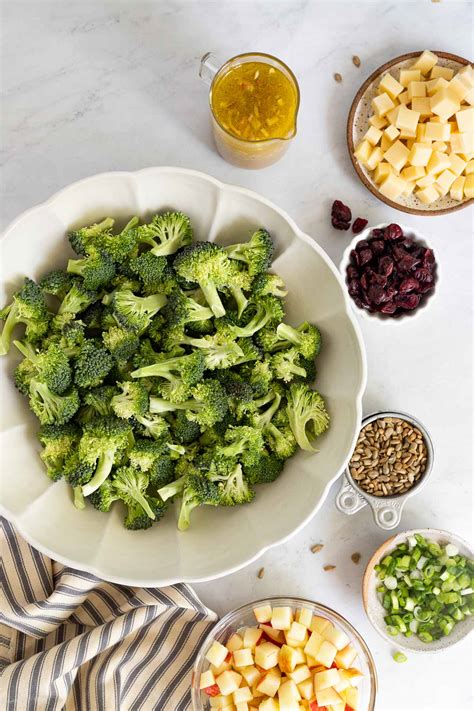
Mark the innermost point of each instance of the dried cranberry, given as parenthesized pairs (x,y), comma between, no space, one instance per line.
(358,225)
(398,253)
(423,274)
(377,233)
(341,211)
(377,246)
(354,287)
(408,301)
(340,224)
(376,294)
(388,308)
(354,258)
(393,232)
(407,243)
(362,244)
(428,257)
(365,255)
(407,264)
(391,292)
(408,284)
(352,272)
(364,282)
(386,265)
(378,279)
(424,287)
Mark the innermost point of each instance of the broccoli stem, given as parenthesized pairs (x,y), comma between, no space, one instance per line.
(213,299)
(8,327)
(104,467)
(76,266)
(288,333)
(79,502)
(158,405)
(239,298)
(173,489)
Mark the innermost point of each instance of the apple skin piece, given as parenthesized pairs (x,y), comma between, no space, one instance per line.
(212,690)
(275,636)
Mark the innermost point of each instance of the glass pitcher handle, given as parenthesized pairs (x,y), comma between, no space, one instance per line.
(208,67)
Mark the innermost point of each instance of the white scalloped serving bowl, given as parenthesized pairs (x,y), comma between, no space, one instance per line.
(219,541)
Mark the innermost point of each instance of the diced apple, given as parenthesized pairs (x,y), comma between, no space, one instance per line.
(327,697)
(282,617)
(326,653)
(343,683)
(263,613)
(234,642)
(216,654)
(266,655)
(228,682)
(306,688)
(305,617)
(207,679)
(354,675)
(288,690)
(425,62)
(318,624)
(221,702)
(381,104)
(250,674)
(336,636)
(242,706)
(242,658)
(325,679)
(300,656)
(469,167)
(269,705)
(287,659)
(242,694)
(457,188)
(251,637)
(313,644)
(297,631)
(345,656)
(444,72)
(353,698)
(301,672)
(277,636)
(269,683)
(439,146)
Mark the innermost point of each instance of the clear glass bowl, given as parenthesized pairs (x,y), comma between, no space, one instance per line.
(244,617)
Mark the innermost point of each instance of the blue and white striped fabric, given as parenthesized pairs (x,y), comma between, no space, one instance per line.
(71,641)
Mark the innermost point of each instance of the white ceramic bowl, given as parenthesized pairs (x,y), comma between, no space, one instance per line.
(386,318)
(376,612)
(220,540)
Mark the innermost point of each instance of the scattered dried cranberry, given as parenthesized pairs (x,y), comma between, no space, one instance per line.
(390,273)
(358,225)
(341,215)
(340,224)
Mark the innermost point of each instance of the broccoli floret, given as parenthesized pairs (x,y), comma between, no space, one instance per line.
(235,490)
(163,472)
(120,283)
(281,442)
(197,491)
(181,372)
(98,401)
(135,312)
(244,443)
(182,309)
(76,471)
(152,271)
(57,283)
(166,233)
(257,253)
(81,239)
(137,518)
(307,415)
(306,338)
(145,453)
(241,301)
(92,316)
(25,371)
(208,265)
(51,366)
(104,496)
(268,340)
(132,401)
(28,307)
(78,298)
(121,343)
(100,443)
(249,350)
(93,364)
(265,471)
(239,393)
(265,310)
(259,375)
(58,443)
(184,431)
(50,408)
(217,353)
(153,425)
(287,365)
(266,408)
(131,485)
(310,367)
(96,269)
(265,284)
(208,406)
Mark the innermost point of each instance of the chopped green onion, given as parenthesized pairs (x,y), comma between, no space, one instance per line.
(400,658)
(451,550)
(390,582)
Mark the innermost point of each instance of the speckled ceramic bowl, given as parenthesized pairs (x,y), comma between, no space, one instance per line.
(358,123)
(375,611)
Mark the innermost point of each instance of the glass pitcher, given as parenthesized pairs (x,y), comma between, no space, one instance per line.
(244,152)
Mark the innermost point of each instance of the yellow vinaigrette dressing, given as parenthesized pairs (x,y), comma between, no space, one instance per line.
(255,101)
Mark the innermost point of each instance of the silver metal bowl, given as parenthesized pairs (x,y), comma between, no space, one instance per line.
(387,510)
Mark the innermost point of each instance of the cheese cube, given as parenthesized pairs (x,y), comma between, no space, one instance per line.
(393,114)
(469,186)
(426,180)
(282,617)
(420,154)
(300,673)
(306,689)
(374,158)
(462,142)
(467,75)
(407,135)
(207,679)
(263,613)
(391,132)
(327,651)
(392,187)
(465,120)
(457,188)
(391,86)
(444,103)
(373,135)
(216,654)
(467,170)
(325,679)
(319,624)
(269,683)
(250,674)
(328,697)
(439,146)
(269,705)
(407,119)
(444,182)
(422,105)
(266,655)
(385,143)
(444,72)
(305,617)
(416,89)
(381,104)
(353,698)
(242,694)
(458,87)
(409,75)
(427,195)
(242,658)
(234,642)
(378,121)
(382,171)
(397,155)
(412,172)
(435,85)
(457,164)
(335,635)
(403,97)
(421,134)
(409,188)
(251,637)
(228,682)
(425,61)
(345,657)
(437,131)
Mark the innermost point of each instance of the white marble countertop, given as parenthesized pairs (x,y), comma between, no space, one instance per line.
(98,86)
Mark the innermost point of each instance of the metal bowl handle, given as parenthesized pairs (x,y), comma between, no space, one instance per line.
(387,513)
(348,500)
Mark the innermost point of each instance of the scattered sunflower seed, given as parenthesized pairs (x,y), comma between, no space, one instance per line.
(261,573)
(338,77)
(329,567)
(356,60)
(355,557)
(318,547)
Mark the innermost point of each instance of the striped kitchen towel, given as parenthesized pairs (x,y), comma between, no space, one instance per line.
(71,641)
